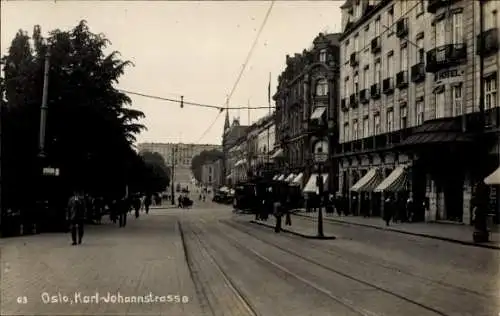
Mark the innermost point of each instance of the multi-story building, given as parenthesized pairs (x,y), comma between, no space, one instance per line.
(231,135)
(410,88)
(236,162)
(260,144)
(306,103)
(178,155)
(211,174)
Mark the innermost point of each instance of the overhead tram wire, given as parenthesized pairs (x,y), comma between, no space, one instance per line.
(184,102)
(240,75)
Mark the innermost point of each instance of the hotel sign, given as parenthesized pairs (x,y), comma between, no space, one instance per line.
(448,76)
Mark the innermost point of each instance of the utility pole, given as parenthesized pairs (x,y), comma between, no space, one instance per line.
(1,122)
(44,108)
(172,171)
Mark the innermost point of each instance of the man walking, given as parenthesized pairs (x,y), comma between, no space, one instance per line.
(123,209)
(76,216)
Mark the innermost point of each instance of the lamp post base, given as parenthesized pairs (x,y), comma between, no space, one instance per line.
(481,236)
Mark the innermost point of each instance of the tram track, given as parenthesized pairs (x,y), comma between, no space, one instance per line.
(239,227)
(386,265)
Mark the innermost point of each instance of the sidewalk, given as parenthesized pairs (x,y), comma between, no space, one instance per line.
(456,233)
(301,228)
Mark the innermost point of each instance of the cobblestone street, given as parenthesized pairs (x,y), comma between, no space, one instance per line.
(209,261)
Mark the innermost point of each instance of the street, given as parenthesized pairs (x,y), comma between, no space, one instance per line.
(210,261)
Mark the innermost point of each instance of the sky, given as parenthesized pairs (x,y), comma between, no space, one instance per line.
(193,49)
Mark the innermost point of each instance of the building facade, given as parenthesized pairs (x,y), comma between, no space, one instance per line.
(179,155)
(306,106)
(236,162)
(211,174)
(410,96)
(231,136)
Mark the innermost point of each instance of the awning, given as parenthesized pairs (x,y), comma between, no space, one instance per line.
(494,178)
(395,182)
(275,177)
(240,162)
(224,189)
(290,177)
(318,112)
(312,186)
(278,153)
(298,179)
(281,177)
(229,176)
(368,182)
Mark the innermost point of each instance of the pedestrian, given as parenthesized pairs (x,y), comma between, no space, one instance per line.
(287,208)
(123,208)
(137,206)
(277,214)
(179,200)
(147,203)
(76,216)
(409,209)
(388,210)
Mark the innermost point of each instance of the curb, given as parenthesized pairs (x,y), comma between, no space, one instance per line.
(295,233)
(456,241)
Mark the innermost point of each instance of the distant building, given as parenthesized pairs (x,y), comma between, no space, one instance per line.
(211,174)
(180,155)
(231,135)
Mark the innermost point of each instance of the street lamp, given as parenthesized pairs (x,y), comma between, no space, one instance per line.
(172,171)
(44,108)
(320,155)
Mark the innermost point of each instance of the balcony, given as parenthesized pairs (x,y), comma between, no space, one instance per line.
(364,97)
(418,72)
(402,79)
(375,91)
(434,5)
(376,45)
(446,56)
(353,101)
(402,28)
(353,60)
(491,40)
(388,86)
(344,105)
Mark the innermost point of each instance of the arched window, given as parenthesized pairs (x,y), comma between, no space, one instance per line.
(322,87)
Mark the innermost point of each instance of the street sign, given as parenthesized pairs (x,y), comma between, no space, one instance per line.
(50,172)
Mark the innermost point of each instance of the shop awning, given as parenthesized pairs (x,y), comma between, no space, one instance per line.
(277,154)
(275,177)
(395,182)
(318,112)
(290,177)
(281,177)
(240,162)
(312,186)
(298,179)
(494,178)
(368,182)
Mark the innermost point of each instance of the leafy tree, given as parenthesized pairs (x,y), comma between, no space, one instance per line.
(90,126)
(204,157)
(157,173)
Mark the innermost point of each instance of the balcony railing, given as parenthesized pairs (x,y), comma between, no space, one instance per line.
(491,40)
(344,105)
(353,100)
(418,72)
(434,5)
(402,79)
(446,56)
(388,86)
(353,60)
(375,91)
(376,45)
(402,27)
(364,96)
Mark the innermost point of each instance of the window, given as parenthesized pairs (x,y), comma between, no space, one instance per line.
(365,127)
(419,115)
(440,33)
(439,104)
(421,51)
(420,7)
(490,93)
(376,124)
(457,100)
(377,73)
(404,117)
(366,78)
(346,132)
(346,50)
(346,88)
(356,84)
(404,58)
(390,120)
(322,56)
(356,43)
(458,37)
(404,7)
(390,21)
(377,26)
(322,87)
(390,65)
(355,129)
(490,18)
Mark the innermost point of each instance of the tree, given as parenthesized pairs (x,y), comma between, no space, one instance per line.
(90,127)
(157,173)
(204,157)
